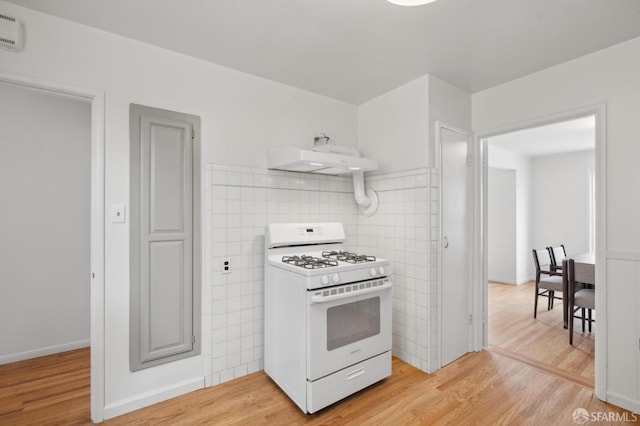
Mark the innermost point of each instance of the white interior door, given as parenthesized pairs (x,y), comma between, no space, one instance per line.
(455,246)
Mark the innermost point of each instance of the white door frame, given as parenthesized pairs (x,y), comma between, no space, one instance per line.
(97,99)
(439,126)
(480,225)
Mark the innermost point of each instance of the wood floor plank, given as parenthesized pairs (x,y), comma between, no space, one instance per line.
(50,390)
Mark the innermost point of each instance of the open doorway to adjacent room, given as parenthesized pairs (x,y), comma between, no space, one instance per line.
(540,192)
(52,229)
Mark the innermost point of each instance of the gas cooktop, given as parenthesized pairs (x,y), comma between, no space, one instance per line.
(327,259)
(309,262)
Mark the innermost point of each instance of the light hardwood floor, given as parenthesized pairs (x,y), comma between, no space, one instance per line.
(491,387)
(541,342)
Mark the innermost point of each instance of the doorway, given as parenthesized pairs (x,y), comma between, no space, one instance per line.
(45,164)
(482,222)
(96,279)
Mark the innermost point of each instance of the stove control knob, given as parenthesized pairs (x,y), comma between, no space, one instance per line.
(325,280)
(336,278)
(372,272)
(381,270)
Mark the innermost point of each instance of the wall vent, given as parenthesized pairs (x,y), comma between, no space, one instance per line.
(11,33)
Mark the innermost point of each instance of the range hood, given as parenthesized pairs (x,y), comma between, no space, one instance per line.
(329,159)
(311,161)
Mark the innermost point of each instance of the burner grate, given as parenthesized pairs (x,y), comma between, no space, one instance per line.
(345,256)
(309,262)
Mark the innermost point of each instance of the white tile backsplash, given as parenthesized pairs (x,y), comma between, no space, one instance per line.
(400,232)
(241,201)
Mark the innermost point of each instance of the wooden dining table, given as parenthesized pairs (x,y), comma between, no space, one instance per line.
(589,258)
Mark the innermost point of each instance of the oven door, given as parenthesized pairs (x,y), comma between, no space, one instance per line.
(348,324)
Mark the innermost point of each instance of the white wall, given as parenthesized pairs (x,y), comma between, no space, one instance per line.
(241,116)
(45,175)
(448,104)
(607,76)
(610,76)
(394,128)
(398,129)
(503,159)
(501,232)
(550,207)
(561,200)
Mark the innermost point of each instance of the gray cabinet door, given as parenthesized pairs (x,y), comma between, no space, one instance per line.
(163,296)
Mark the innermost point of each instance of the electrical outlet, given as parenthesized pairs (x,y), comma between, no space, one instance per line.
(226,266)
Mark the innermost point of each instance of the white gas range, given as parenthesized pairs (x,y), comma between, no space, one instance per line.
(327,314)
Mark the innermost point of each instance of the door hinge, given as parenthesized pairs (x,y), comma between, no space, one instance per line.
(193,339)
(193,133)
(470,321)
(469,160)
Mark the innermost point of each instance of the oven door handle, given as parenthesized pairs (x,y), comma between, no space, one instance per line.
(345,295)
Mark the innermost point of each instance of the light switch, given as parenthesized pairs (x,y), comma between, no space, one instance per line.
(117,213)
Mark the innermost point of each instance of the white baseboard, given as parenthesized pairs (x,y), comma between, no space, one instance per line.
(523,280)
(153,397)
(518,281)
(623,402)
(502,280)
(49,350)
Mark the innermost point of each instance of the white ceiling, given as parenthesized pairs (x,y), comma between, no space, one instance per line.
(355,50)
(558,138)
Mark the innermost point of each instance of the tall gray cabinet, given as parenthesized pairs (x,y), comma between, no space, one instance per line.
(165,236)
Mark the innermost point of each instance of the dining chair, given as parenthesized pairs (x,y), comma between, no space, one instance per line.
(558,254)
(547,280)
(582,295)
